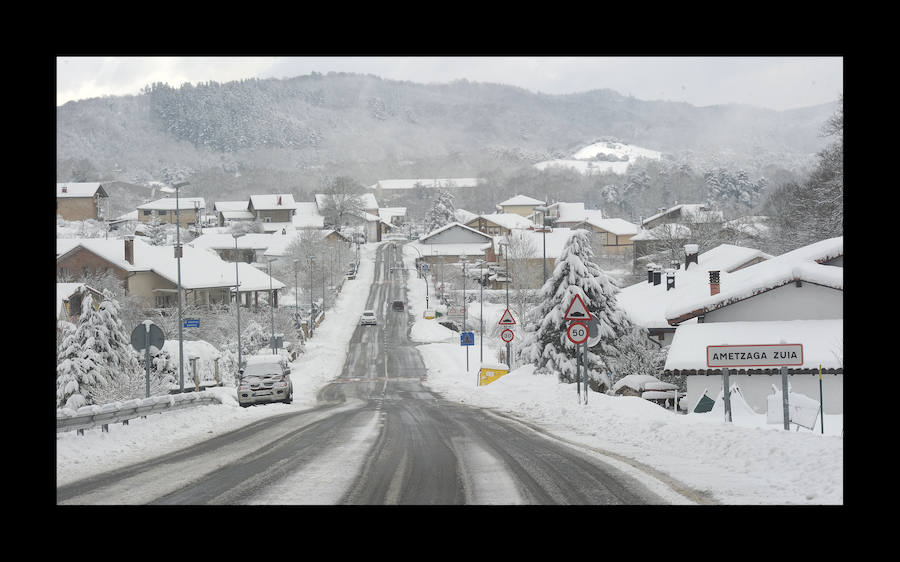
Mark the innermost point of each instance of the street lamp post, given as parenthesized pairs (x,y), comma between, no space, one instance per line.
(465,308)
(237,299)
(543,210)
(481,316)
(296,297)
(271,304)
(310,261)
(177,186)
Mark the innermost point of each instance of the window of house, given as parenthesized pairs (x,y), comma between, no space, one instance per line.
(63,272)
(148,212)
(268,219)
(162,301)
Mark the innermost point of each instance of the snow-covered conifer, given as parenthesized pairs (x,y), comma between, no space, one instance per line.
(442,212)
(81,367)
(575,273)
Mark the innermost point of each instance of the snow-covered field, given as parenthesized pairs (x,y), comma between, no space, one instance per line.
(745,462)
(583,160)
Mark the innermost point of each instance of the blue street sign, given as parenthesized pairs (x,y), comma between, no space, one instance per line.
(467,338)
(191,322)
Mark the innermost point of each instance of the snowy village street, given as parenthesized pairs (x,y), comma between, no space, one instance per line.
(378,437)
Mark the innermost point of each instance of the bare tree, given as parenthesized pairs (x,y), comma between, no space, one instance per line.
(342,198)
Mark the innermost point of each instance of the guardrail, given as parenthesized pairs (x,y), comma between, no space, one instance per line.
(88,417)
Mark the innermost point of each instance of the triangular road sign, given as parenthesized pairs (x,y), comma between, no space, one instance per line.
(507,319)
(577,310)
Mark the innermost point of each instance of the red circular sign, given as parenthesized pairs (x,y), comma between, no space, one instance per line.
(577,332)
(507,335)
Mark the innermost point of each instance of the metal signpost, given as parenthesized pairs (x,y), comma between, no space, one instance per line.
(507,320)
(579,333)
(144,336)
(781,355)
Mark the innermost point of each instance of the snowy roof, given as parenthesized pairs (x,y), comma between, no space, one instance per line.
(278,246)
(277,227)
(646,303)
(129,216)
(506,220)
(664,231)
(823,341)
(273,201)
(464,216)
(569,212)
(619,227)
(237,215)
(308,220)
(168,203)
(386,213)
(79,189)
(448,226)
(696,211)
(521,200)
(800,264)
(367,199)
(253,240)
(230,205)
(307,208)
(199,268)
(426,183)
(64,291)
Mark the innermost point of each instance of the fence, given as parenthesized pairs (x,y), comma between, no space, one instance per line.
(89,417)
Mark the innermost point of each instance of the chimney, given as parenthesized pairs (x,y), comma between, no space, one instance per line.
(670,279)
(65,189)
(691,253)
(657,275)
(713,283)
(129,249)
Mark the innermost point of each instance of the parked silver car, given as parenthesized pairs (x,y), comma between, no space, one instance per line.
(265,378)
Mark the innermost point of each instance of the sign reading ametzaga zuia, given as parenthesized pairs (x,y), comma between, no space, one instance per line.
(766,355)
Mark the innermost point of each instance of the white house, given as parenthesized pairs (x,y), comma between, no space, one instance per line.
(794,298)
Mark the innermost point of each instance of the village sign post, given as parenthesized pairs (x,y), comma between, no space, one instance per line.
(763,355)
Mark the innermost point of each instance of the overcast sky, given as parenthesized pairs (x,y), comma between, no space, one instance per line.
(771,82)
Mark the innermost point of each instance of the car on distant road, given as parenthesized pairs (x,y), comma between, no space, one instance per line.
(368,318)
(398,306)
(265,378)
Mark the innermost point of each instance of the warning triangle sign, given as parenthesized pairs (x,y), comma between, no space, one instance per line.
(577,310)
(507,319)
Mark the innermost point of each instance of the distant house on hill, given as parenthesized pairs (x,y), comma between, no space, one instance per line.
(389,188)
(499,224)
(79,200)
(228,212)
(520,204)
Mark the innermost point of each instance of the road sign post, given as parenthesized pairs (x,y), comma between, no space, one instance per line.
(821,402)
(726,395)
(507,320)
(144,336)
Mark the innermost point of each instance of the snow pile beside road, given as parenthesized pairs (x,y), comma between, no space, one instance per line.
(747,462)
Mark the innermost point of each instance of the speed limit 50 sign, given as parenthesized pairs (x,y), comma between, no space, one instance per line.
(577,332)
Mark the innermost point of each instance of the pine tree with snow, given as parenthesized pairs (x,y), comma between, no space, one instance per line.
(126,375)
(81,366)
(547,346)
(442,212)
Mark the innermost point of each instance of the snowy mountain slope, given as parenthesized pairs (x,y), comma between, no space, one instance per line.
(602,156)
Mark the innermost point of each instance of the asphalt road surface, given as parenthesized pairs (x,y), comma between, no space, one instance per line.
(377,437)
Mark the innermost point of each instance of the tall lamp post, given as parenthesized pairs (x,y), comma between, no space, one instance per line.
(271,303)
(296,297)
(543,209)
(310,262)
(237,298)
(464,260)
(178,250)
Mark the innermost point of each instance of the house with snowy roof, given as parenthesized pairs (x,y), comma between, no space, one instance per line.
(389,188)
(794,298)
(449,243)
(188,210)
(522,205)
(248,248)
(228,212)
(499,224)
(151,272)
(76,201)
(646,302)
(272,208)
(684,213)
(535,252)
